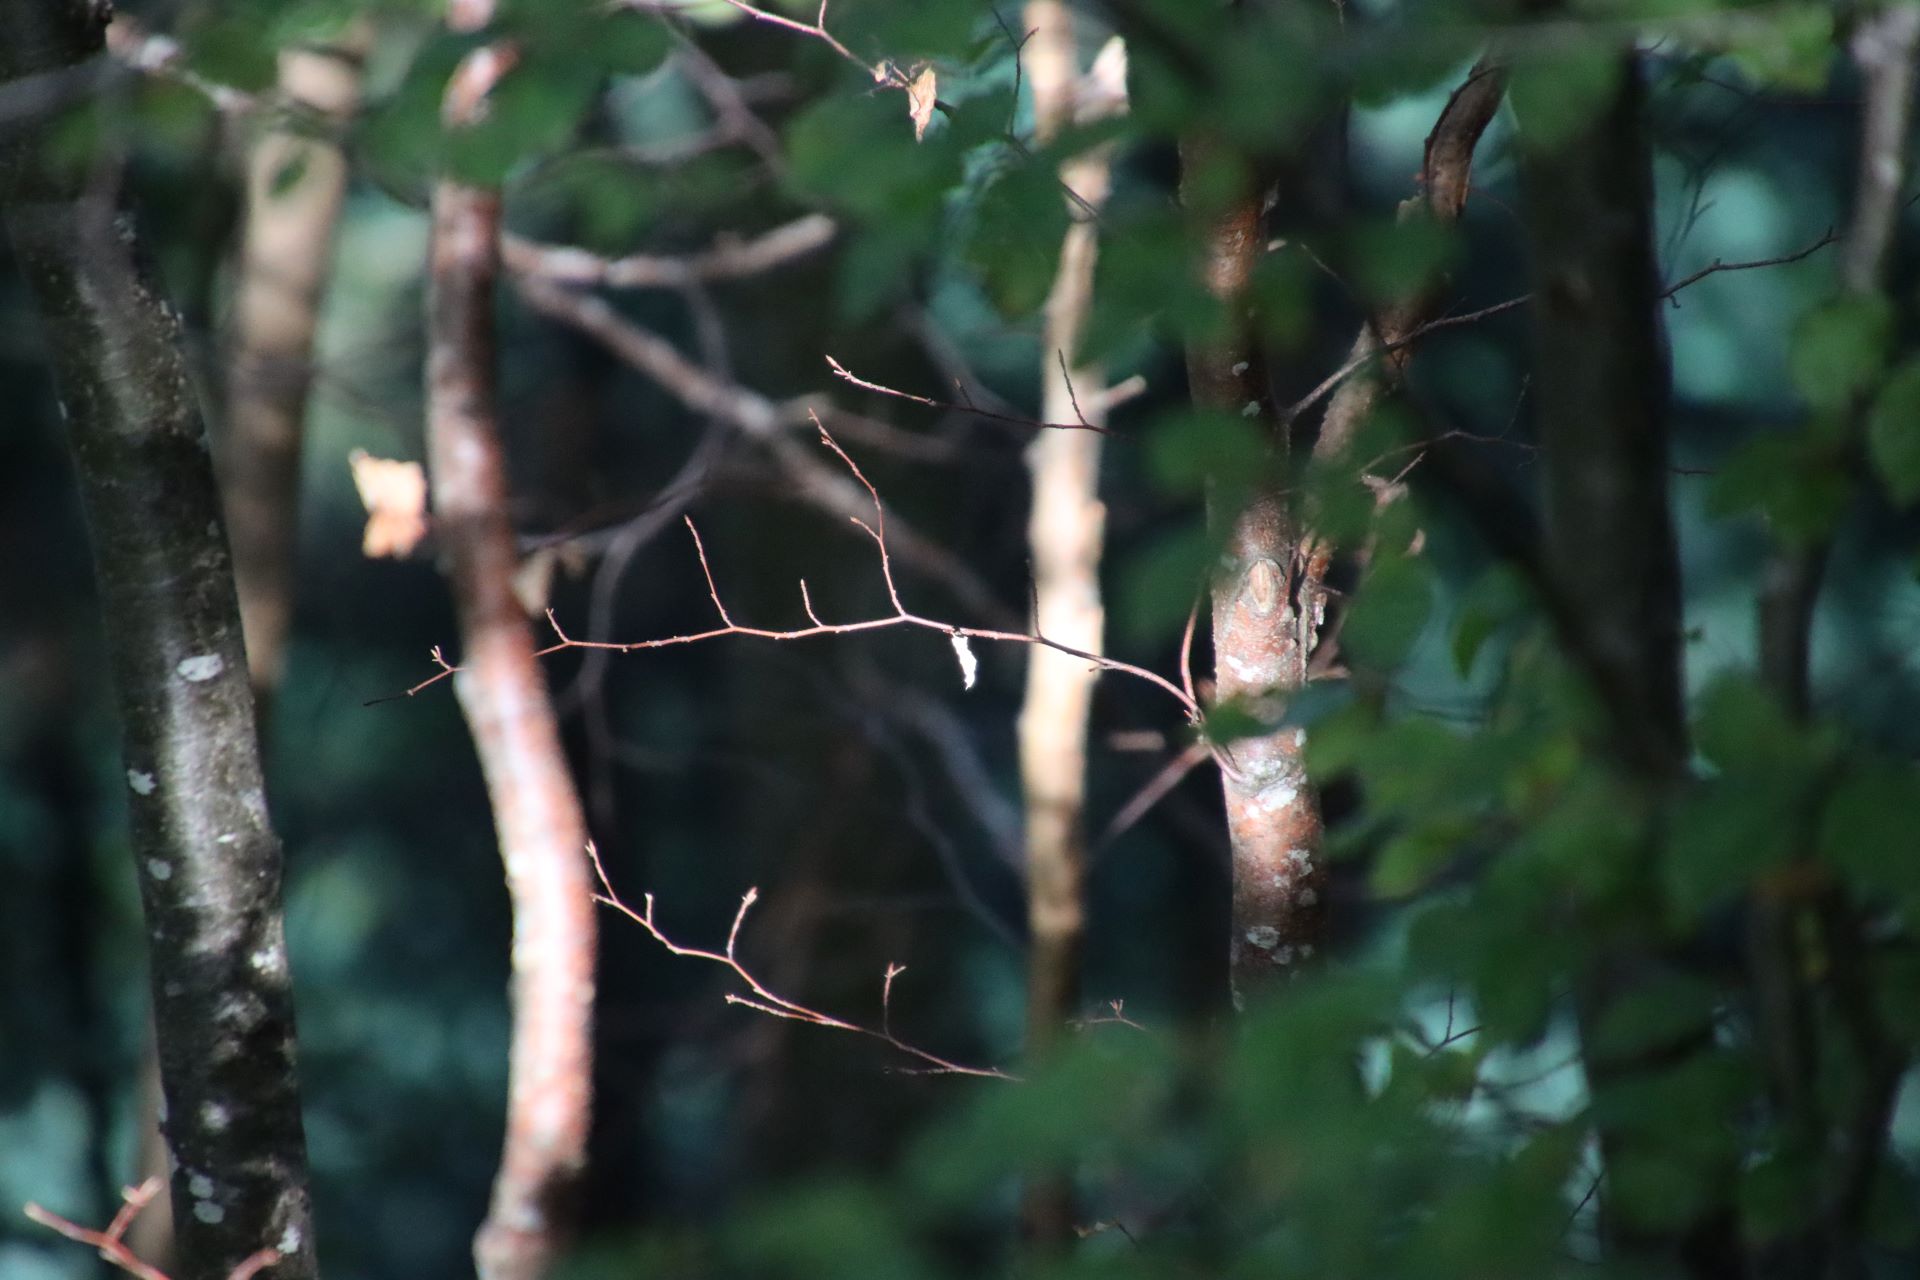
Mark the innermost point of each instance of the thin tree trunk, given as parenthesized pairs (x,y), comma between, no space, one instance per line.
(1263,625)
(1602,404)
(1884,47)
(296,181)
(1065,534)
(537,812)
(207,857)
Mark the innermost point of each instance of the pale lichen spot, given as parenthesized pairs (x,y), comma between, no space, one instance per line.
(199,1186)
(289,1242)
(208,1212)
(1251,409)
(1264,936)
(1301,860)
(1284,955)
(142,783)
(227,838)
(1308,897)
(215,1117)
(160,869)
(1306,951)
(269,961)
(201,667)
(1240,368)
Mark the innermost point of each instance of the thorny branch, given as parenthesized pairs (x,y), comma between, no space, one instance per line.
(111,1243)
(763,999)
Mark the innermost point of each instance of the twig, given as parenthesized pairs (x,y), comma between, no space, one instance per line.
(111,1245)
(727,259)
(845,375)
(764,999)
(1717,266)
(900,617)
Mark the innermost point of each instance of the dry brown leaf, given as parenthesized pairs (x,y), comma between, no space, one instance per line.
(922,92)
(395,496)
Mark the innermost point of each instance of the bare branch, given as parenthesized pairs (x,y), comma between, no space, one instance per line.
(759,419)
(765,1000)
(1019,420)
(111,1243)
(728,258)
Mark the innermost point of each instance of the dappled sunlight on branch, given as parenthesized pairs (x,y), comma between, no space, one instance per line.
(111,1244)
(763,999)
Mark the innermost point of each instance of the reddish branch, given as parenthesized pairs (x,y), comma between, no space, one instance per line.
(763,999)
(112,1246)
(900,617)
(537,813)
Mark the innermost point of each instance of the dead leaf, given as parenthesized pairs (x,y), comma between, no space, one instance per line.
(922,92)
(395,496)
(533,580)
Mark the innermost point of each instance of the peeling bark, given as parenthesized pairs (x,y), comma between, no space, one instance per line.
(1263,629)
(208,860)
(538,818)
(296,182)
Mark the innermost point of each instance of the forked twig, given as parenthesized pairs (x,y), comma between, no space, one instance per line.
(763,999)
(900,617)
(111,1245)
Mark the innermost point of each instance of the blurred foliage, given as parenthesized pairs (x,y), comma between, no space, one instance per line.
(1420,1106)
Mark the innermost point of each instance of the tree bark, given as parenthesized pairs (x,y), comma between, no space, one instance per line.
(1065,537)
(537,812)
(1602,406)
(1263,627)
(296,182)
(1884,45)
(208,861)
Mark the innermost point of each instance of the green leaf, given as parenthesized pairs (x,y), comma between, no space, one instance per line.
(1159,584)
(1796,480)
(1019,222)
(1411,860)
(1558,92)
(1391,611)
(1893,433)
(1868,829)
(1190,450)
(1840,348)
(1496,599)
(1790,48)
(1725,836)
(1666,1011)
(1396,258)
(840,1230)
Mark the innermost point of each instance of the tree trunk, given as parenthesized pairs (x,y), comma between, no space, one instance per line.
(1065,535)
(537,813)
(295,186)
(1602,405)
(208,860)
(1263,628)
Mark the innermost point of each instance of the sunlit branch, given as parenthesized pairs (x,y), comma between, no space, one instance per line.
(111,1244)
(763,999)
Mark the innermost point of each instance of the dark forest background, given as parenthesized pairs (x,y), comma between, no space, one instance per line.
(872,800)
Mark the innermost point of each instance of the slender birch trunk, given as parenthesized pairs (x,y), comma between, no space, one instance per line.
(537,813)
(1065,536)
